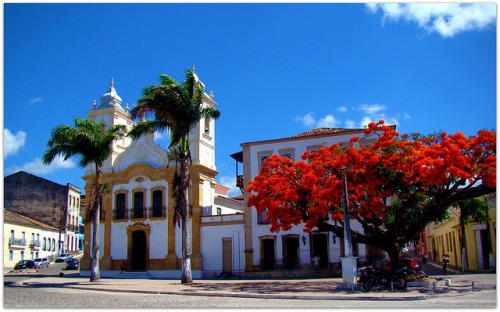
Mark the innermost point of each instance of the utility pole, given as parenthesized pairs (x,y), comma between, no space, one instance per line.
(349,263)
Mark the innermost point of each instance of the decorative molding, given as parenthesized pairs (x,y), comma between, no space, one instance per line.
(142,151)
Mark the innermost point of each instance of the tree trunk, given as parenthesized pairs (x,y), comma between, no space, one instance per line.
(395,256)
(186,276)
(94,254)
(94,264)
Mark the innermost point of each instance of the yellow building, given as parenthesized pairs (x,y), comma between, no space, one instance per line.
(444,238)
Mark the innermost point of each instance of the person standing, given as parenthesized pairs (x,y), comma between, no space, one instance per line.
(315,261)
(445,263)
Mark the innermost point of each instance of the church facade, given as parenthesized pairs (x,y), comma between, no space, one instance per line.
(136,216)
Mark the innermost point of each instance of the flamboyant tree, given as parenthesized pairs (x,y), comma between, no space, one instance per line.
(396,186)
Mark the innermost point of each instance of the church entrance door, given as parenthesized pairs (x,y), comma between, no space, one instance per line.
(139,250)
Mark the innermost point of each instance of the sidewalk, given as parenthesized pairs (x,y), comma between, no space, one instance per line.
(318,289)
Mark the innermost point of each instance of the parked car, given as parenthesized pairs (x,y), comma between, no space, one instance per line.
(72,264)
(63,257)
(42,262)
(25,264)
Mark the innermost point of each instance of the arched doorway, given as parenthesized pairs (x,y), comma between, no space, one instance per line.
(138,236)
(138,251)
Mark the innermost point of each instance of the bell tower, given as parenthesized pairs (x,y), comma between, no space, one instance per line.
(111,113)
(202,137)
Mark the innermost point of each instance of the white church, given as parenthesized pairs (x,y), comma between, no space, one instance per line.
(228,238)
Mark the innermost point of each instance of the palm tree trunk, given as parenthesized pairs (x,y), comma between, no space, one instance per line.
(94,261)
(186,276)
(94,264)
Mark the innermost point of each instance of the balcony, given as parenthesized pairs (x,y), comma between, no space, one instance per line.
(17,243)
(142,214)
(157,212)
(35,244)
(240,182)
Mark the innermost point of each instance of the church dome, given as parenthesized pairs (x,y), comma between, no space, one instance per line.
(110,99)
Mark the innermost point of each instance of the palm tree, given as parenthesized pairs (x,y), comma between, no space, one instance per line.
(93,143)
(176,108)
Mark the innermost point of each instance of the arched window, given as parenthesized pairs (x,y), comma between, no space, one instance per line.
(53,245)
(44,247)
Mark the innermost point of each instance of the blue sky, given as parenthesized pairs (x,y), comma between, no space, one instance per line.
(276,70)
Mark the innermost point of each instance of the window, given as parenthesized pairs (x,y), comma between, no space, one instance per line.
(262,156)
(157,203)
(12,234)
(288,153)
(44,246)
(11,255)
(53,245)
(48,247)
(22,254)
(120,206)
(138,204)
(261,216)
(207,126)
(219,211)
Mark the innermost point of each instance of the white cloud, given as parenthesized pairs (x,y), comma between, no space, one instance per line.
(342,109)
(37,167)
(350,124)
(160,135)
(308,120)
(406,116)
(230,181)
(36,100)
(371,109)
(329,121)
(447,19)
(12,143)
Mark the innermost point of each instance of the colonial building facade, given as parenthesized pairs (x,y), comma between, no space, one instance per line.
(136,216)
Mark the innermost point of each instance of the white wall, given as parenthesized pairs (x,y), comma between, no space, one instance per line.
(211,246)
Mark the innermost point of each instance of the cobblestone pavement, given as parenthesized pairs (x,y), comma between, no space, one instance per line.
(29,291)
(50,297)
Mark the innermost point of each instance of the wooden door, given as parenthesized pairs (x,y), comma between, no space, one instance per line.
(227,255)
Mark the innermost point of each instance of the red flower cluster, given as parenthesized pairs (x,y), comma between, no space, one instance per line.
(393,167)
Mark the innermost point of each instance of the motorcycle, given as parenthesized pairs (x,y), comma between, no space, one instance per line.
(383,276)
